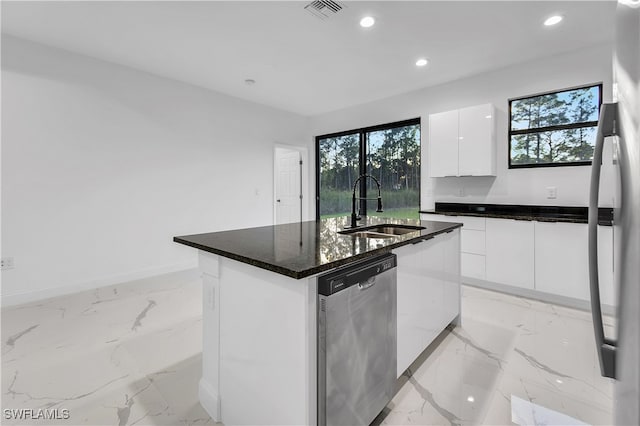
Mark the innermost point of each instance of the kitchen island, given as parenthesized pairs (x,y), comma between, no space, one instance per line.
(260,307)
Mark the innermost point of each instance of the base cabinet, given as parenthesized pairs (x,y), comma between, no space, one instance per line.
(547,257)
(561,257)
(562,260)
(510,252)
(472,242)
(473,265)
(428,293)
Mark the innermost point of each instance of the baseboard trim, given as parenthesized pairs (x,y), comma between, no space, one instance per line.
(209,399)
(570,302)
(47,293)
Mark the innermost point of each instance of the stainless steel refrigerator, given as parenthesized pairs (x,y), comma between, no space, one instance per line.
(620,125)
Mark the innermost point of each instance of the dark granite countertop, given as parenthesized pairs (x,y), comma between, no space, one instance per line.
(302,249)
(523,212)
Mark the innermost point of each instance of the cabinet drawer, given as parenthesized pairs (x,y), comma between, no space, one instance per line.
(473,265)
(473,241)
(470,222)
(439,217)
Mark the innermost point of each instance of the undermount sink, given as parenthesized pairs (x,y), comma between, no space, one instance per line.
(368,234)
(386,230)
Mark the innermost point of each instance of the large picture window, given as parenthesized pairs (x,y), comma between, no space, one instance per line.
(390,152)
(555,128)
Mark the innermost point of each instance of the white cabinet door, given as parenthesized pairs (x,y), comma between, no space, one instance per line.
(562,264)
(428,293)
(452,265)
(476,141)
(420,295)
(473,266)
(473,241)
(472,244)
(462,142)
(510,252)
(443,144)
(562,260)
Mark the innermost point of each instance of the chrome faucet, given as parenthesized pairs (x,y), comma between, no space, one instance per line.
(354,217)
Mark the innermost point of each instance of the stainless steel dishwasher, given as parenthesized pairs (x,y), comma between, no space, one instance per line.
(356,341)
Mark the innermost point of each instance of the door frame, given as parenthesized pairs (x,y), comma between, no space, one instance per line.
(304,189)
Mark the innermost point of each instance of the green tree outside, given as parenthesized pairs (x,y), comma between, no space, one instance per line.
(393,157)
(548,112)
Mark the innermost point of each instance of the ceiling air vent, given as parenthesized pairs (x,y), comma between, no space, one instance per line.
(324,9)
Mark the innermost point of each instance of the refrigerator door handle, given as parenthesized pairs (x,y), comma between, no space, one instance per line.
(606,348)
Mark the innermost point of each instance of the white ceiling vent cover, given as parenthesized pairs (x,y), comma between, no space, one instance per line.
(324,9)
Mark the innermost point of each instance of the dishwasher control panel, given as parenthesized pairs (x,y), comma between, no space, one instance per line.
(355,273)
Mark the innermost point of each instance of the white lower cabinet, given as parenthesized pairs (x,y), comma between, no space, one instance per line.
(510,252)
(549,257)
(451,275)
(472,237)
(473,241)
(428,293)
(473,266)
(562,260)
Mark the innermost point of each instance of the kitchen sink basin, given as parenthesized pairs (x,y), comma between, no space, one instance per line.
(368,234)
(385,230)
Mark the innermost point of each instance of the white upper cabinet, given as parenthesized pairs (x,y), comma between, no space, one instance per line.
(443,142)
(462,142)
(476,141)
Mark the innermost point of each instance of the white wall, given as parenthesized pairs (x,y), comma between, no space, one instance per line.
(102,165)
(516,186)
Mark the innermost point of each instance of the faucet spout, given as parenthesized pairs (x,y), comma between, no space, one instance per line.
(354,217)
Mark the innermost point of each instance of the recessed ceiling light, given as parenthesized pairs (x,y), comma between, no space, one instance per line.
(421,62)
(553,20)
(367,22)
(470,398)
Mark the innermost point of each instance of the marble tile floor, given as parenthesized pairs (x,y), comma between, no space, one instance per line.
(513,361)
(130,354)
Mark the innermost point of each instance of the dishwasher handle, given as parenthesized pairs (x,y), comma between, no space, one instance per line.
(370,282)
(368,272)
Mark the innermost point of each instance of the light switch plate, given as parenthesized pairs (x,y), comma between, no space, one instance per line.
(552,192)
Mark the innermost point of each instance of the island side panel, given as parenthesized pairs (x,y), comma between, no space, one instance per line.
(209,386)
(428,293)
(452,278)
(267,346)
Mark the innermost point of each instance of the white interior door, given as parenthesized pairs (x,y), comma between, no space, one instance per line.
(288,189)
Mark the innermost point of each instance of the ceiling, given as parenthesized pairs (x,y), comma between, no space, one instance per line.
(305,64)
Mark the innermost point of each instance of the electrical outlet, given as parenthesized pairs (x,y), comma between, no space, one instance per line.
(6,263)
(461,191)
(552,192)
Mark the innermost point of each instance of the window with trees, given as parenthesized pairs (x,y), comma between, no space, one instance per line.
(390,152)
(555,128)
